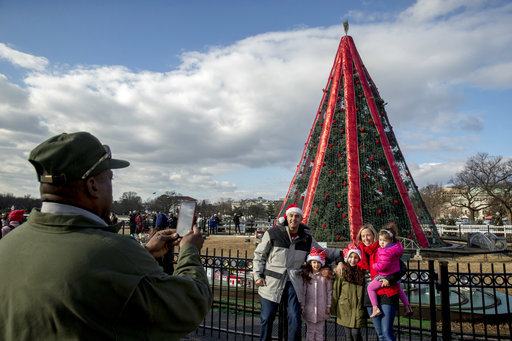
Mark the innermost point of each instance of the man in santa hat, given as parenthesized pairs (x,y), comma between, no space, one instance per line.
(276,266)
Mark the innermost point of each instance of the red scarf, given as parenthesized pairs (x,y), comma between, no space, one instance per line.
(366,251)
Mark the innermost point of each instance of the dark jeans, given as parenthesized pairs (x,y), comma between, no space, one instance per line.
(269,310)
(353,334)
(383,323)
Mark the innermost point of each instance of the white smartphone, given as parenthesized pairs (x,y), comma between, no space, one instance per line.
(186,217)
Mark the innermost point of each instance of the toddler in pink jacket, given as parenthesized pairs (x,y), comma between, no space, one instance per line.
(388,262)
(316,293)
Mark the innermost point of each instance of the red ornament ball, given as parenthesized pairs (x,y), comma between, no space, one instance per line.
(366,176)
(362,129)
(344,183)
(377,141)
(331,172)
(344,216)
(370,121)
(339,205)
(380,190)
(396,201)
(341,131)
(323,225)
(409,236)
(338,237)
(316,211)
(339,155)
(371,157)
(379,211)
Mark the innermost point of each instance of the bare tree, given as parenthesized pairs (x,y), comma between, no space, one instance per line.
(469,194)
(163,203)
(434,198)
(493,175)
(128,202)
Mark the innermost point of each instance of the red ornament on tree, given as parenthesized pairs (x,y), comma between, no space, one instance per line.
(379,211)
(339,205)
(316,211)
(344,216)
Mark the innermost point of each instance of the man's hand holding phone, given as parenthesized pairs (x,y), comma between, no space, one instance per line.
(161,242)
(193,237)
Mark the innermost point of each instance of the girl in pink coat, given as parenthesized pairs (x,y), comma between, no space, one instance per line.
(388,262)
(317,294)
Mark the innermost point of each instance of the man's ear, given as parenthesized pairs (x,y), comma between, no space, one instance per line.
(91,186)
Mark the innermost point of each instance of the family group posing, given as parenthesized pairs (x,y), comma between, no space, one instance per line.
(291,268)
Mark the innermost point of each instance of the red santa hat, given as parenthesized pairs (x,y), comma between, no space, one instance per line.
(291,208)
(294,208)
(351,248)
(318,255)
(16,215)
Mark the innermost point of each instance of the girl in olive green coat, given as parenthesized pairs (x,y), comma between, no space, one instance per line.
(347,295)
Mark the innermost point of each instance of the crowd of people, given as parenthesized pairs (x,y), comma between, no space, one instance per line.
(89,282)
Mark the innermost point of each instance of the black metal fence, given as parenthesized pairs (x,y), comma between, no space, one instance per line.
(470,302)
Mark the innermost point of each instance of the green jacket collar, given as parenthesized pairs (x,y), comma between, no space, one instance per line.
(66,222)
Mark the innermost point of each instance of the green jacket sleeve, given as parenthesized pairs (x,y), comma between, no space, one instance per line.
(176,304)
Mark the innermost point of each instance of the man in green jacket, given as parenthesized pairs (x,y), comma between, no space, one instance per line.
(68,275)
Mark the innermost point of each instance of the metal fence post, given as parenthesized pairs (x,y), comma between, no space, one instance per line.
(432,299)
(445,300)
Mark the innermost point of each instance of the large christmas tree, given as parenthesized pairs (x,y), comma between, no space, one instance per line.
(352,170)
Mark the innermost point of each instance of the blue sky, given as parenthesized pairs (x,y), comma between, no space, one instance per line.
(215,99)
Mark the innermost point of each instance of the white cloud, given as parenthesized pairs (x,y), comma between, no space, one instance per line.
(435,173)
(251,104)
(22,59)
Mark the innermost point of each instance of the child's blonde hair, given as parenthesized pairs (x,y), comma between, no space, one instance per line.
(389,232)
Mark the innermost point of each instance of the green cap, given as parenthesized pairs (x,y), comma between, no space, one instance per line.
(75,156)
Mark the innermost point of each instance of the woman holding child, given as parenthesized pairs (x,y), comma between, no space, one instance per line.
(388,294)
